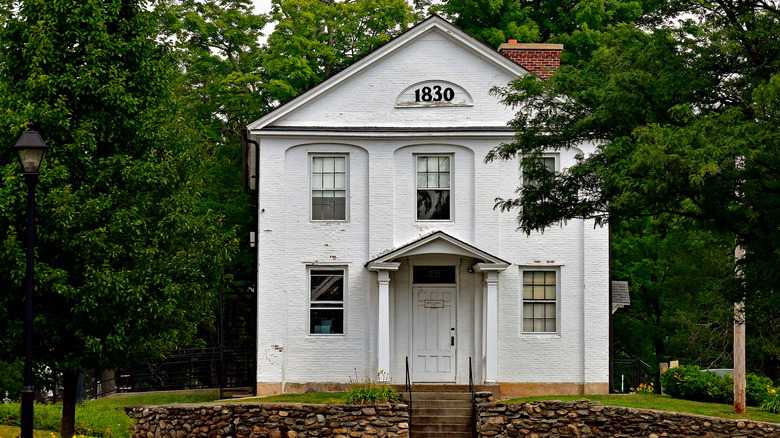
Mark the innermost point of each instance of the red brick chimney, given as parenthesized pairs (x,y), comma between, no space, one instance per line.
(540,59)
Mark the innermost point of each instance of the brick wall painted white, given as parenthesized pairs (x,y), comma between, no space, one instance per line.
(382,202)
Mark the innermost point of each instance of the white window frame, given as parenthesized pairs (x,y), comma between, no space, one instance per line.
(345,276)
(451,188)
(312,157)
(556,301)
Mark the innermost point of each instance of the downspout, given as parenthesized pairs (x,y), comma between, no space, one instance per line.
(252,172)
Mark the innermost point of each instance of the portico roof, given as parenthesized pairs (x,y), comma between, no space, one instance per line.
(437,242)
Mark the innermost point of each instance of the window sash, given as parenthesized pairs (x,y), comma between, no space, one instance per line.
(329,188)
(540,302)
(433,183)
(326,301)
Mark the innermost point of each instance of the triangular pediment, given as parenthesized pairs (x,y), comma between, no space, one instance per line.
(437,243)
(432,76)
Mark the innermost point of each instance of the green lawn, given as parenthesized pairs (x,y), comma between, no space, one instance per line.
(14,432)
(327,398)
(662,403)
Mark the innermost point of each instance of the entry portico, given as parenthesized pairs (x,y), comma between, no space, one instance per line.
(430,291)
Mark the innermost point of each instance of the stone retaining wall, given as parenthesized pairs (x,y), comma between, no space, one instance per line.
(584,419)
(239,420)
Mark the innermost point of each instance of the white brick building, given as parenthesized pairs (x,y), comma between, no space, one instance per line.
(378,241)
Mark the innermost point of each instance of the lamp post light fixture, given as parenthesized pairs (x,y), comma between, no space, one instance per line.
(31,149)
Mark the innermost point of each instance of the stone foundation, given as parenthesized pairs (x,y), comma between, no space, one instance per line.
(246,420)
(585,419)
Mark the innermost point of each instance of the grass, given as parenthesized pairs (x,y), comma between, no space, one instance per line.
(323,398)
(14,432)
(99,418)
(663,403)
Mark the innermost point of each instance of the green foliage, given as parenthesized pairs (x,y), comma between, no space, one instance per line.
(314,39)
(691,383)
(757,389)
(11,377)
(772,402)
(369,392)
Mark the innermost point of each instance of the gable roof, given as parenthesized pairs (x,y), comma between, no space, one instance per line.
(437,242)
(434,23)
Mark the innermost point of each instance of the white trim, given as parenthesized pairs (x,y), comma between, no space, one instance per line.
(432,24)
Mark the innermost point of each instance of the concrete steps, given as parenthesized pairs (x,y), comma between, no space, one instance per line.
(437,413)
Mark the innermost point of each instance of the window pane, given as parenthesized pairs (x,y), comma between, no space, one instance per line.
(433,181)
(528,277)
(340,164)
(327,286)
(549,277)
(422,164)
(328,164)
(528,292)
(316,181)
(549,311)
(549,163)
(340,181)
(528,325)
(328,181)
(433,274)
(549,325)
(444,164)
(528,311)
(433,204)
(317,165)
(444,180)
(422,181)
(539,278)
(538,293)
(549,292)
(323,321)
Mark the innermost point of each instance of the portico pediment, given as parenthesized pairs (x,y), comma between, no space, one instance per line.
(437,243)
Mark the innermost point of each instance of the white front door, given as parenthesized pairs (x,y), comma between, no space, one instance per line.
(433,334)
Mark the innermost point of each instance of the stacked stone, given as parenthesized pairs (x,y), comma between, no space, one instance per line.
(584,419)
(245,420)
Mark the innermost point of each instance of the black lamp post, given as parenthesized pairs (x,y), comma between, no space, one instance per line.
(31,149)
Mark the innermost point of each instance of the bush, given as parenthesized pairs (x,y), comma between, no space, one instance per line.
(691,383)
(368,392)
(757,389)
(772,401)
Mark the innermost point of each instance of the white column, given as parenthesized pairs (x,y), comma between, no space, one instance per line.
(383,319)
(491,346)
(490,272)
(383,332)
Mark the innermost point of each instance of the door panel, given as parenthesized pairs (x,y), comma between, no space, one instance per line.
(433,334)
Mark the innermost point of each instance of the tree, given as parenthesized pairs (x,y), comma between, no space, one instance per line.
(313,39)
(128,252)
(683,121)
(578,25)
(683,118)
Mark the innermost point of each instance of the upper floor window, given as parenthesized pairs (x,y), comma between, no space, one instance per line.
(548,161)
(329,188)
(433,188)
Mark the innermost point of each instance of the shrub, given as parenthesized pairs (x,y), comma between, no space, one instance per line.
(691,383)
(11,379)
(772,401)
(368,392)
(756,389)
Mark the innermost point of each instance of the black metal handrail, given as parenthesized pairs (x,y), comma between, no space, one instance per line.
(409,391)
(473,402)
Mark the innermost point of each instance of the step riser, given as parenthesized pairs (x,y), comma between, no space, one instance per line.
(446,412)
(441,428)
(441,419)
(440,435)
(439,396)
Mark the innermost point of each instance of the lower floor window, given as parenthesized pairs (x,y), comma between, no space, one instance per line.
(326,301)
(540,292)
